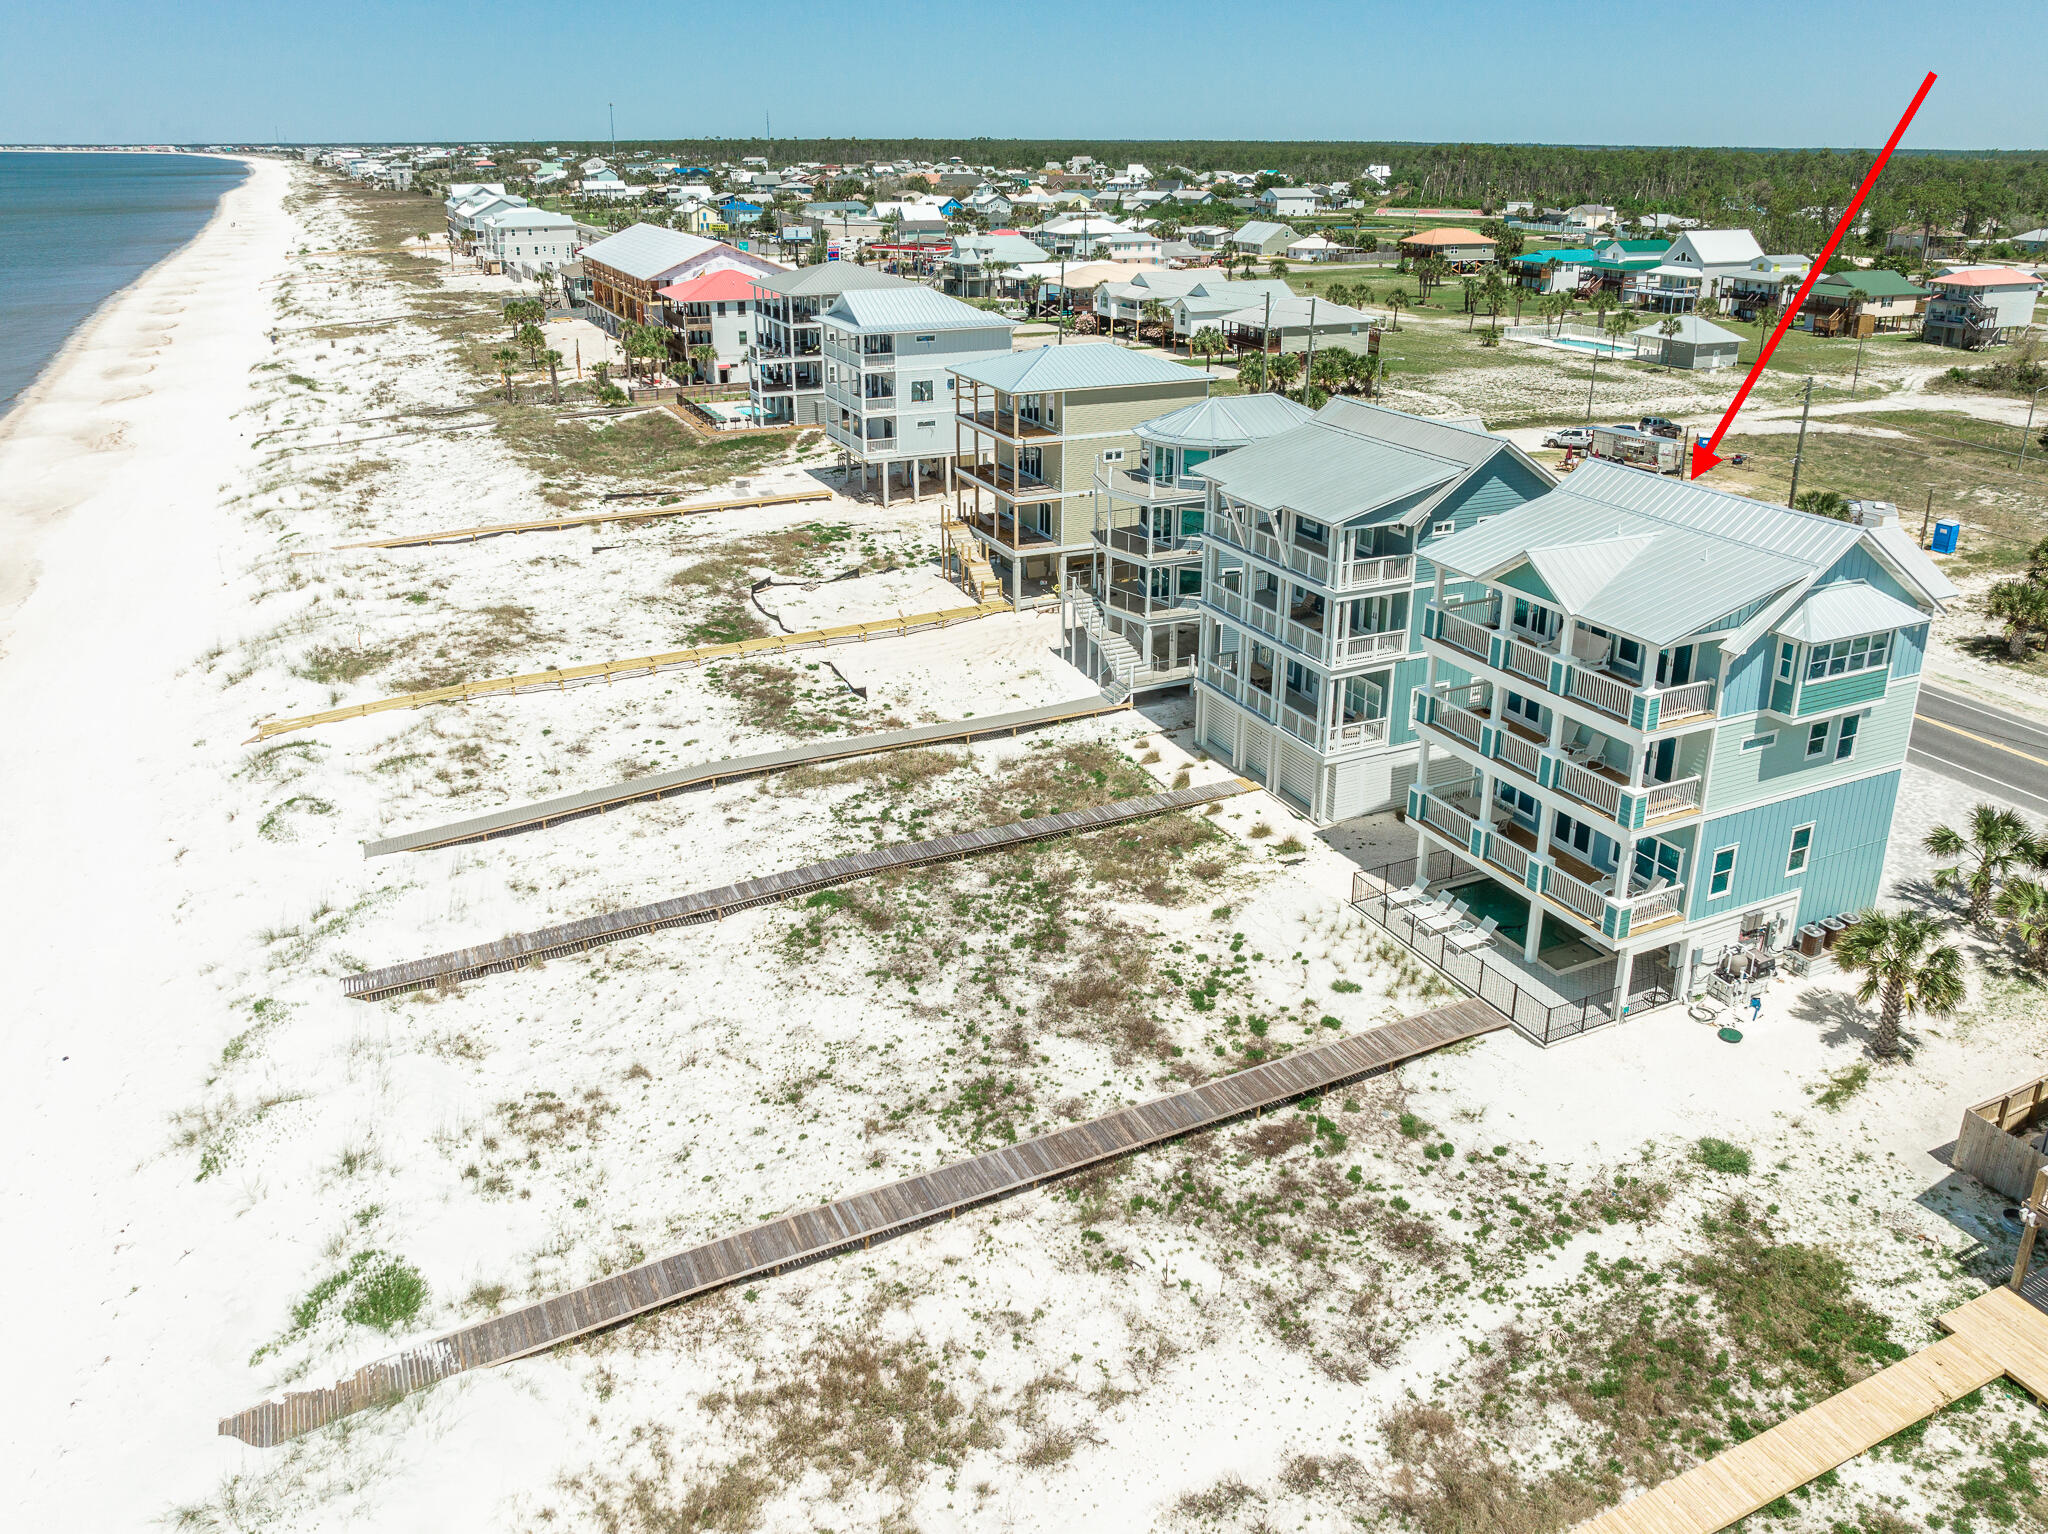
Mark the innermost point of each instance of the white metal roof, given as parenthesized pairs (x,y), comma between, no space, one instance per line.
(1089,365)
(1843,610)
(1226,421)
(894,310)
(647,251)
(1692,330)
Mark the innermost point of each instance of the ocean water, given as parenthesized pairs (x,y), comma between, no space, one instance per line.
(75,229)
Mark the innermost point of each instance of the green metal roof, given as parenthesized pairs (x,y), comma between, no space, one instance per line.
(1876,281)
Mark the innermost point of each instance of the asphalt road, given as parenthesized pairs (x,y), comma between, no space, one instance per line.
(2002,753)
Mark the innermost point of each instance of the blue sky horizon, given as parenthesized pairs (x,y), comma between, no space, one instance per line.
(1483,71)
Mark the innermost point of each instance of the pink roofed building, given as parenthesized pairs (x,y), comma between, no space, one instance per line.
(1977,306)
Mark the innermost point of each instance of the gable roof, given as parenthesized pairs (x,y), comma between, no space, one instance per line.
(1721,247)
(1091,365)
(911,307)
(646,251)
(828,278)
(1697,555)
(1986,277)
(1261,230)
(1877,281)
(1353,458)
(1692,330)
(1446,234)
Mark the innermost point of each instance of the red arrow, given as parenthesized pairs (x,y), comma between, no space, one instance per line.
(1704,458)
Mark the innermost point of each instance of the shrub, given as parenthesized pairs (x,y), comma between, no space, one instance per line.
(1721,1156)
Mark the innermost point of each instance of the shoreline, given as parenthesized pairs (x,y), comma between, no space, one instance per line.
(80,332)
(26,517)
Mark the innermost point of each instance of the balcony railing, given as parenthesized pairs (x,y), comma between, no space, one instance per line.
(1653,907)
(1677,798)
(1529,663)
(1461,724)
(1580,898)
(1590,788)
(1463,634)
(1684,702)
(1601,693)
(1522,755)
(1509,857)
(1353,647)
(1358,573)
(1001,477)
(1448,822)
(1239,689)
(1006,531)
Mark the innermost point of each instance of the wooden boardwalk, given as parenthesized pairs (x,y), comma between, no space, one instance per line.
(525,948)
(596,801)
(555,524)
(1997,1333)
(856,1221)
(637,665)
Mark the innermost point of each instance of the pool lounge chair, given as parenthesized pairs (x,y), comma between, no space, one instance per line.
(1467,939)
(1444,918)
(1407,894)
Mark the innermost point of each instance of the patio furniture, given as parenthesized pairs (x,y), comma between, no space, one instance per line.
(1465,940)
(1443,918)
(1408,894)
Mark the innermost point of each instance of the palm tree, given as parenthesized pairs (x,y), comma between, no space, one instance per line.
(533,338)
(1857,299)
(1252,371)
(1905,967)
(1330,370)
(704,359)
(554,361)
(2023,904)
(1207,343)
(2022,606)
(1152,312)
(1340,293)
(1285,368)
(1997,840)
(1397,300)
(507,359)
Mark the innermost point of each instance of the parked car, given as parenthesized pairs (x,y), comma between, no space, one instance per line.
(1569,436)
(1658,426)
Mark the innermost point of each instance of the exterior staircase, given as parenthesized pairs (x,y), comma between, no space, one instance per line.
(1115,663)
(976,573)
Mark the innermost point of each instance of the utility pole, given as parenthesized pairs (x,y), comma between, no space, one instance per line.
(612,117)
(1590,377)
(1308,366)
(1799,452)
(2028,430)
(1927,516)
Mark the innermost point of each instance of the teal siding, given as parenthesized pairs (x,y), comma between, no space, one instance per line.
(1909,650)
(1844,869)
(1859,565)
(1738,777)
(1840,691)
(1749,676)
(1525,580)
(1499,486)
(1409,676)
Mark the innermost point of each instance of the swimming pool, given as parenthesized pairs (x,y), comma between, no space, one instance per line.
(1595,348)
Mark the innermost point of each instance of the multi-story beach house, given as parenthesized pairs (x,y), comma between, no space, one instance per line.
(1976,306)
(1315,571)
(891,356)
(789,342)
(1031,430)
(1137,623)
(526,243)
(1673,719)
(627,271)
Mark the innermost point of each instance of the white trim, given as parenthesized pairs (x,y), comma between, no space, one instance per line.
(1794,853)
(1761,742)
(1817,745)
(1735,852)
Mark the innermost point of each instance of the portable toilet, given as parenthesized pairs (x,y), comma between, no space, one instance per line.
(1947,532)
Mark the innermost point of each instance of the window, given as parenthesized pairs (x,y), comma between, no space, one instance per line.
(1723,875)
(1845,738)
(1444,529)
(1314,534)
(926,340)
(1759,742)
(920,390)
(1845,657)
(1802,845)
(1112,455)
(1817,740)
(1527,709)
(1787,653)
(1521,805)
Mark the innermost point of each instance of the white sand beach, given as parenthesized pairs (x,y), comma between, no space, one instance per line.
(205,1143)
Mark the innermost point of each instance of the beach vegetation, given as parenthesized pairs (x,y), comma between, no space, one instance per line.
(1718,1155)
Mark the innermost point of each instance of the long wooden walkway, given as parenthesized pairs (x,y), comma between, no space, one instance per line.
(1997,1333)
(524,948)
(856,1221)
(596,801)
(636,665)
(556,524)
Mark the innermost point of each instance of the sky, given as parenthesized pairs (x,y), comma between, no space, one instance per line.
(1789,73)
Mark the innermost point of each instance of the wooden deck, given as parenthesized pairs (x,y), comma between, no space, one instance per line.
(1997,1333)
(556,524)
(855,1221)
(596,801)
(525,948)
(637,665)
